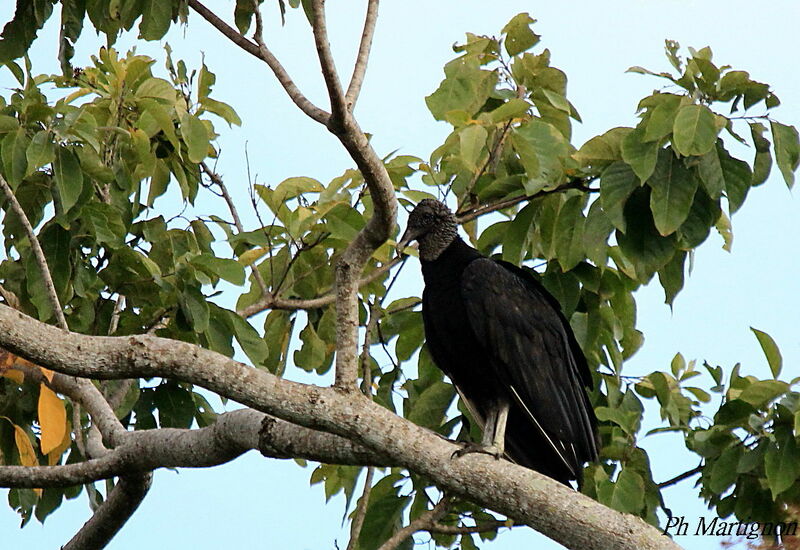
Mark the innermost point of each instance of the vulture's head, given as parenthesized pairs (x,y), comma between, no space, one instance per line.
(432,225)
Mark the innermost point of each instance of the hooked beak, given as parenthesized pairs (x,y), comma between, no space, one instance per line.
(406,239)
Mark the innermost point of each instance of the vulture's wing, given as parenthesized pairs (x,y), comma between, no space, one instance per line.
(533,351)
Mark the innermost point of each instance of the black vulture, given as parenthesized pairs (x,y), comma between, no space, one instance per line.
(503,341)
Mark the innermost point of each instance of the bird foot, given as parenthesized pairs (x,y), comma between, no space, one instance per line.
(468,448)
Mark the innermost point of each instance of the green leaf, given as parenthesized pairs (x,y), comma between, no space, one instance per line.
(549,147)
(596,231)
(230,270)
(694,131)
(511,109)
(311,356)
(641,155)
(472,140)
(68,178)
(384,513)
(15,146)
(466,88)
(627,420)
(516,240)
(787,150)
(41,151)
(617,182)
(627,494)
(195,308)
(661,117)
(762,163)
(771,351)
(252,343)
(723,472)
(671,277)
(175,406)
(429,408)
(647,250)
(569,233)
(762,392)
(156,19)
(782,465)
(602,150)
(519,36)
(673,190)
(222,110)
(196,136)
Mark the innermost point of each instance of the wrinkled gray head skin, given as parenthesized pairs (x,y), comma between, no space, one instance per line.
(431,224)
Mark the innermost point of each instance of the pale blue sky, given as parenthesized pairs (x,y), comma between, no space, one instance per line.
(264,504)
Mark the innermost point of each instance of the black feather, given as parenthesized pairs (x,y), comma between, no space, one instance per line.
(501,337)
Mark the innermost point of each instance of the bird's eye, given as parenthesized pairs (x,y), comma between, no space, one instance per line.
(426,218)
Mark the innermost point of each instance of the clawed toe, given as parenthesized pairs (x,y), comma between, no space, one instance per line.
(468,448)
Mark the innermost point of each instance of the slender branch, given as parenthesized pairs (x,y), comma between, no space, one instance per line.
(237,221)
(468,529)
(320,27)
(276,302)
(680,477)
(38,254)
(361,510)
(366,387)
(577,183)
(421,523)
(265,55)
(360,69)
(9,297)
(112,515)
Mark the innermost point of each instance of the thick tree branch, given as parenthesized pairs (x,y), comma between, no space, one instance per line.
(265,55)
(320,27)
(360,69)
(233,434)
(109,518)
(523,495)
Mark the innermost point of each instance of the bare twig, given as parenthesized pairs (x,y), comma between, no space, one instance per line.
(118,307)
(421,523)
(9,297)
(680,477)
(578,183)
(338,104)
(265,55)
(360,69)
(361,510)
(276,302)
(468,529)
(38,254)
(237,221)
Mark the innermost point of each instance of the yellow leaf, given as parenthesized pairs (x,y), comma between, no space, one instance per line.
(27,456)
(13,374)
(52,419)
(54,455)
(252,255)
(47,373)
